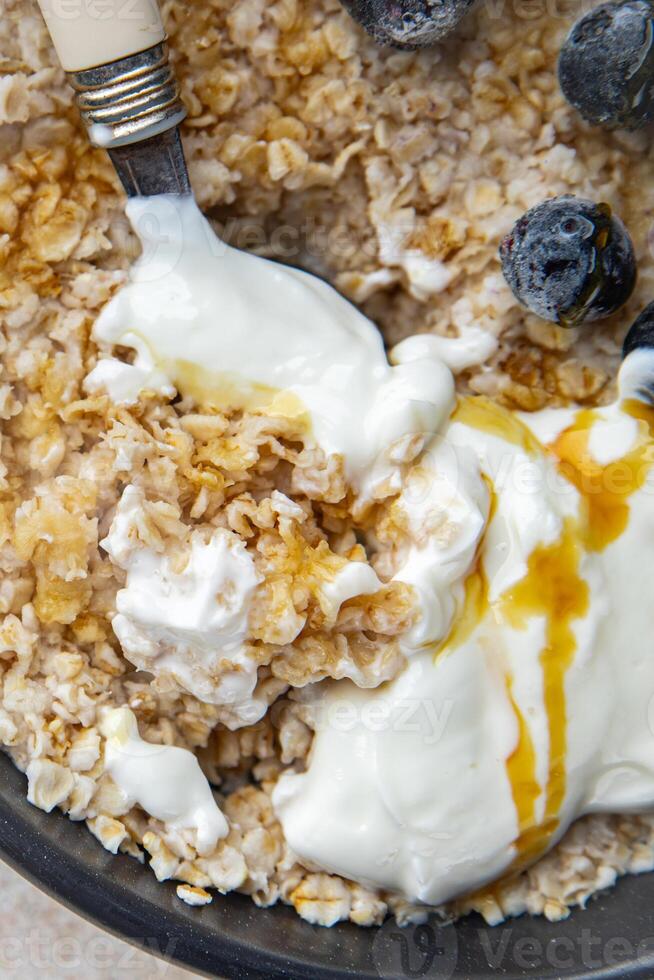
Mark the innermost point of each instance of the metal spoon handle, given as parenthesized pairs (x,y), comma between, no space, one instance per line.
(117,63)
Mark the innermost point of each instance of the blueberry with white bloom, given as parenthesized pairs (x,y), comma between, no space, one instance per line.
(637,371)
(569,260)
(408,24)
(641,333)
(606,65)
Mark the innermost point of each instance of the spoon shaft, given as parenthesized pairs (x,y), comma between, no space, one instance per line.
(154,166)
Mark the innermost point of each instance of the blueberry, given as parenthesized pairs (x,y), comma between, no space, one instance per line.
(408,24)
(636,378)
(606,65)
(569,260)
(641,332)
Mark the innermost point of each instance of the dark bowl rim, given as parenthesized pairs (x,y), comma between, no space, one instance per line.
(233,938)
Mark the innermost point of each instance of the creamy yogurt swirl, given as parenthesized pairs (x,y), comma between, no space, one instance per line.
(539,706)
(247,332)
(525,701)
(164,780)
(237,331)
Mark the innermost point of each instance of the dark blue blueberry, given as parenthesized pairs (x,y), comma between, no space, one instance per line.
(408,24)
(637,375)
(606,65)
(569,260)
(641,332)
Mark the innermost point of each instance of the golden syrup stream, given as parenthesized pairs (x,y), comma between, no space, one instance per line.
(483,414)
(526,599)
(554,589)
(521,769)
(475,598)
(605,490)
(475,605)
(225,391)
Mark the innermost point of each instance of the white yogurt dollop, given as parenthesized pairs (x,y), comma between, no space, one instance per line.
(207,316)
(124,382)
(538,709)
(526,700)
(239,331)
(164,780)
(191,623)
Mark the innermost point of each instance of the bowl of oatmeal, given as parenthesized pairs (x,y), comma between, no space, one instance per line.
(336,607)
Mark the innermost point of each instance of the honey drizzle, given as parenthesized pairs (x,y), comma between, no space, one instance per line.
(605,490)
(475,604)
(226,391)
(521,769)
(554,588)
(485,415)
(475,599)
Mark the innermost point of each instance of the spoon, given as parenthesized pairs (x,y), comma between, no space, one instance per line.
(117,63)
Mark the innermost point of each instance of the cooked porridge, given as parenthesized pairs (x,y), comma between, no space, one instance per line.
(196,572)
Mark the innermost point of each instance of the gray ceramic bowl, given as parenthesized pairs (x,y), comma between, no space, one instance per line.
(613,937)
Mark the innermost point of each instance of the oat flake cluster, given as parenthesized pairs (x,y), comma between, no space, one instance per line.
(393,174)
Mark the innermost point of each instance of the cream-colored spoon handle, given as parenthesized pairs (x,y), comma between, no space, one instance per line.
(116,59)
(88,33)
